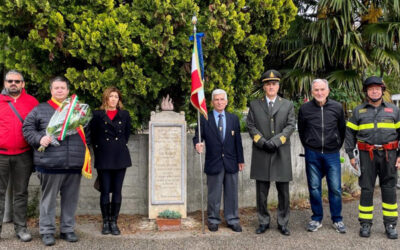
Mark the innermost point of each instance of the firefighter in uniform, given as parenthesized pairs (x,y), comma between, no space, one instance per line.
(375,129)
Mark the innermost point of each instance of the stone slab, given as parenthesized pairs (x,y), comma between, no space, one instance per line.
(167,163)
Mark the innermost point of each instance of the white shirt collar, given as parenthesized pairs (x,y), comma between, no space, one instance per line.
(269,100)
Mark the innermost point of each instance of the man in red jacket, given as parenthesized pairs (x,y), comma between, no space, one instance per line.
(15,153)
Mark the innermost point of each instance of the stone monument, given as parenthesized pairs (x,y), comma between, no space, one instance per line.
(167,161)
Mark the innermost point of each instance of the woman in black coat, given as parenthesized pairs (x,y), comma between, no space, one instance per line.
(110,130)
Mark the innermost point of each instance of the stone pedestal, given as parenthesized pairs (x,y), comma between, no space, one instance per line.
(167,163)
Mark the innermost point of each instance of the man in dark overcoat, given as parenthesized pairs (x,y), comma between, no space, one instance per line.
(224,158)
(271,121)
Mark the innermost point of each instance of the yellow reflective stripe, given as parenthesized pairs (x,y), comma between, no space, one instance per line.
(351,125)
(390,214)
(365,216)
(366,126)
(365,209)
(385,125)
(397,125)
(389,206)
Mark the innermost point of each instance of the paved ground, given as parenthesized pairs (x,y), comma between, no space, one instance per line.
(147,238)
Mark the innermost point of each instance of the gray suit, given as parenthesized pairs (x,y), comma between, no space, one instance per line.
(277,166)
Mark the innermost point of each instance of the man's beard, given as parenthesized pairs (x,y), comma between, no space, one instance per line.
(13,91)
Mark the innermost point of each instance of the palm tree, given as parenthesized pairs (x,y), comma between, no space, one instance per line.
(340,41)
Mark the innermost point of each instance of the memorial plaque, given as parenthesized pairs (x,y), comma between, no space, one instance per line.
(167,153)
(167,163)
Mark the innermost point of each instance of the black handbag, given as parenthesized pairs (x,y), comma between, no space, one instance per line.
(96,184)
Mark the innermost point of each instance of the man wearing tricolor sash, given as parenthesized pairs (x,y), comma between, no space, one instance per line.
(59,167)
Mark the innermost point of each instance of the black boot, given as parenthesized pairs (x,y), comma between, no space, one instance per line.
(365,230)
(391,231)
(105,212)
(114,217)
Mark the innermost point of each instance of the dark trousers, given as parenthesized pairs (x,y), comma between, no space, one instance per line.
(111,181)
(385,169)
(262,190)
(229,184)
(19,169)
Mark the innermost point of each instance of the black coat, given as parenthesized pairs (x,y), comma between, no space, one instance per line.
(227,154)
(110,139)
(71,152)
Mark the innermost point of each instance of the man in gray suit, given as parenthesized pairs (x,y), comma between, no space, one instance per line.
(271,121)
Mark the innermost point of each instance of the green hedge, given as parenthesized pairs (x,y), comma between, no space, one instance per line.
(140,46)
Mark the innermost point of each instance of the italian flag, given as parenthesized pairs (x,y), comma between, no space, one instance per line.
(197,93)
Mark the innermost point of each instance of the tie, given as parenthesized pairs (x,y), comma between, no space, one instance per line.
(221,127)
(270,107)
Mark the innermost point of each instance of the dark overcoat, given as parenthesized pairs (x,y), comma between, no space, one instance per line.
(277,127)
(110,139)
(226,154)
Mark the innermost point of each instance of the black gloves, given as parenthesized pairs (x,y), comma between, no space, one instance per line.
(269,146)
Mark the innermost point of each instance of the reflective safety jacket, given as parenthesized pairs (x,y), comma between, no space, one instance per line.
(372,125)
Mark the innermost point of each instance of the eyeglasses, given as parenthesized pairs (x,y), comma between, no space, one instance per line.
(16,81)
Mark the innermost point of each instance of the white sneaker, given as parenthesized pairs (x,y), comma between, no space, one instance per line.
(339,226)
(313,226)
(24,235)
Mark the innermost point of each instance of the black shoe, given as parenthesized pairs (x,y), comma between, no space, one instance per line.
(284,230)
(391,231)
(212,227)
(48,239)
(365,230)
(262,228)
(235,227)
(70,237)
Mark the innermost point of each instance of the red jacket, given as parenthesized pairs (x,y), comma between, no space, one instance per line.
(12,141)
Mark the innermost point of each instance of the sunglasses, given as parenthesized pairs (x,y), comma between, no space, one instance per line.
(16,81)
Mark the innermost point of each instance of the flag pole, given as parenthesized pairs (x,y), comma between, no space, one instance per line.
(201,175)
(194,21)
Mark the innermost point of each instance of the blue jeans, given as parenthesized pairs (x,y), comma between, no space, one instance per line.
(319,165)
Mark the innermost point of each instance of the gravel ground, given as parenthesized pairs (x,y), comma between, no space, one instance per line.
(146,237)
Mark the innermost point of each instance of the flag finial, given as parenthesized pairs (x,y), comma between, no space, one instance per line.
(194,20)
